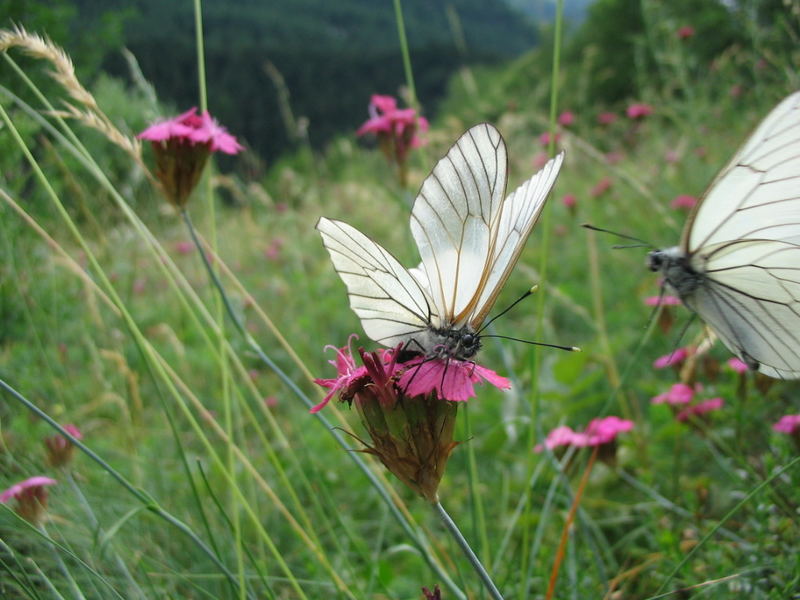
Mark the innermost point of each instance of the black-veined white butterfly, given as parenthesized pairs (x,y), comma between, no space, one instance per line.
(738,262)
(469,236)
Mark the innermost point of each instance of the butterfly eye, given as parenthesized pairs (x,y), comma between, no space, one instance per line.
(655,261)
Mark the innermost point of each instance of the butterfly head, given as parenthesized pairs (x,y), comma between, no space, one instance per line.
(449,342)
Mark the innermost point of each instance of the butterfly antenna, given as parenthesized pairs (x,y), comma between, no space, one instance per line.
(508,308)
(556,346)
(640,243)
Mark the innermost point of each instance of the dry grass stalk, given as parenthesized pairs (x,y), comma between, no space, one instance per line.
(64,74)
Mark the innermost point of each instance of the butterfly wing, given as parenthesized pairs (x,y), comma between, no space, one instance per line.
(751,298)
(468,236)
(757,195)
(390,302)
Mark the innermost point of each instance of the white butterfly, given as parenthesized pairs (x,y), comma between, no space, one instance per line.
(469,237)
(738,263)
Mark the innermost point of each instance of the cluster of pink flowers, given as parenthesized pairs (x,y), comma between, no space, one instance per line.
(681,398)
(397,129)
(597,433)
(182,146)
(674,358)
(684,202)
(788,424)
(639,110)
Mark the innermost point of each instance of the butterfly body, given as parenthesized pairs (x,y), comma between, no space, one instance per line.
(469,235)
(738,263)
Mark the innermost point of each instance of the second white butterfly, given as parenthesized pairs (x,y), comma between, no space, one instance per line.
(469,236)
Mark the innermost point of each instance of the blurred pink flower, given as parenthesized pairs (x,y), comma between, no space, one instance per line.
(184,247)
(273,251)
(672,156)
(566,118)
(701,408)
(639,110)
(545,138)
(613,158)
(606,118)
(737,365)
(396,129)
(679,393)
(31,497)
(601,187)
(675,357)
(192,129)
(271,401)
(662,301)
(685,32)
(598,432)
(789,424)
(60,449)
(683,201)
(569,200)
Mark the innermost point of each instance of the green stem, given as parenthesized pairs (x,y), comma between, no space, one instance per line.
(401,33)
(453,530)
(255,347)
(201,63)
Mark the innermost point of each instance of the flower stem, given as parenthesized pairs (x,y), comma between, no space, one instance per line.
(452,528)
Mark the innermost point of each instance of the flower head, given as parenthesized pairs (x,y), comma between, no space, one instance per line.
(788,424)
(639,110)
(663,300)
(699,409)
(737,365)
(606,118)
(685,32)
(676,357)
(601,432)
(182,146)
(408,408)
(679,393)
(31,497)
(601,187)
(544,139)
(396,129)
(566,118)
(59,448)
(570,201)
(683,201)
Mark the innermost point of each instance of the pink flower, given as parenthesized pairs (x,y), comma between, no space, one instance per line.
(566,118)
(789,424)
(273,251)
(396,129)
(545,138)
(701,408)
(349,376)
(679,393)
(31,497)
(597,433)
(737,365)
(683,201)
(193,129)
(673,358)
(685,32)
(639,110)
(182,146)
(569,200)
(452,379)
(184,247)
(672,156)
(606,118)
(662,301)
(60,449)
(271,401)
(601,187)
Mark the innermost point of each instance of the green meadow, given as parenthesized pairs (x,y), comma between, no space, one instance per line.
(200,472)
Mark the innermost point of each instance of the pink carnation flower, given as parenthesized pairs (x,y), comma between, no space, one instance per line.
(601,187)
(569,200)
(678,394)
(349,375)
(701,408)
(566,118)
(193,129)
(60,449)
(606,118)
(31,497)
(685,32)
(789,424)
(597,433)
(675,357)
(683,201)
(639,110)
(737,365)
(452,379)
(662,301)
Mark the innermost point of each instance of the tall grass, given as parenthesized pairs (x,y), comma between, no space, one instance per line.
(201,472)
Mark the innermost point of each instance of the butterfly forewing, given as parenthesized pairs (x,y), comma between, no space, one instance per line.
(757,195)
(454,217)
(390,302)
